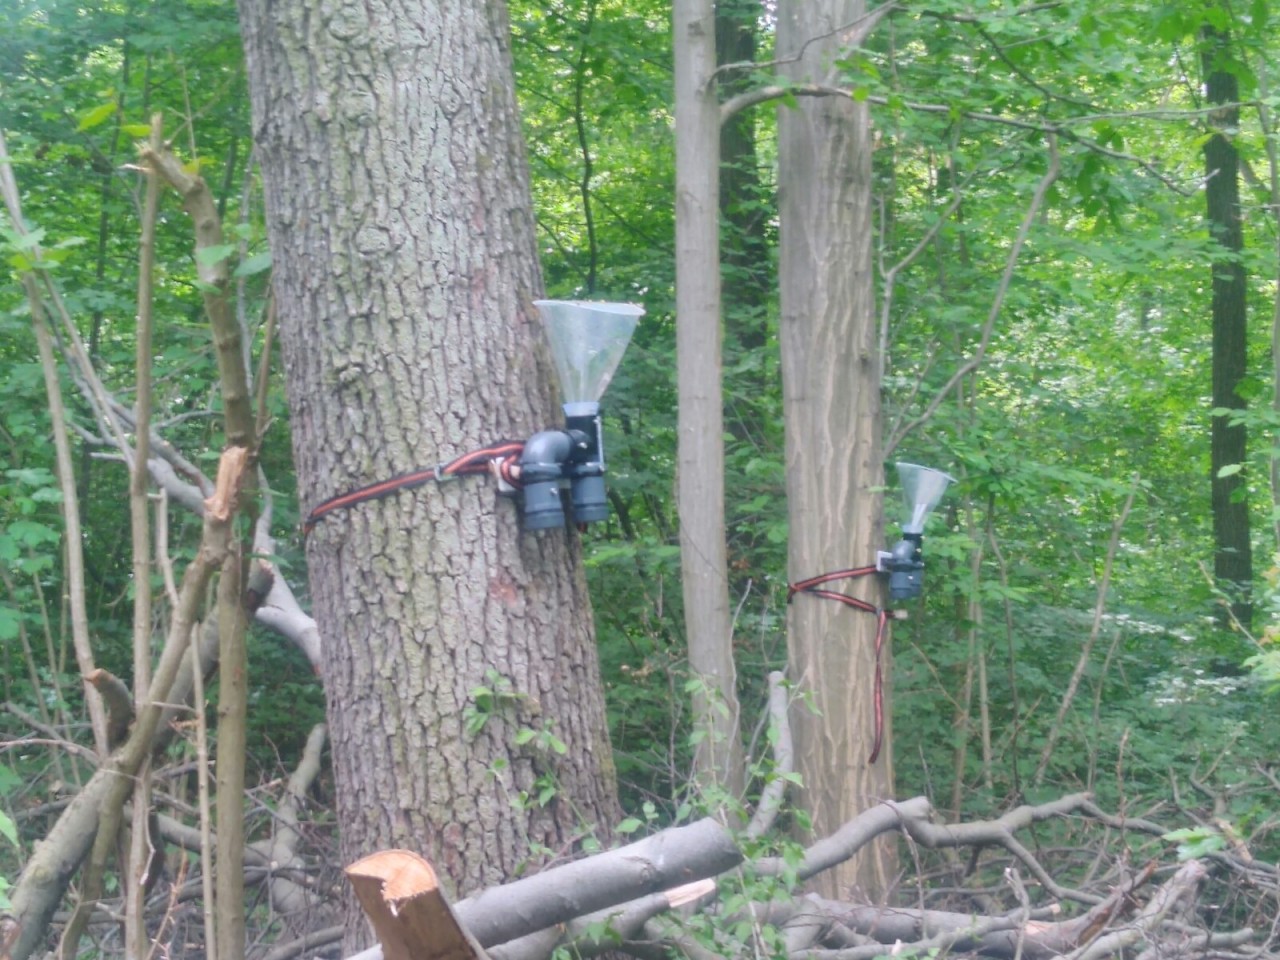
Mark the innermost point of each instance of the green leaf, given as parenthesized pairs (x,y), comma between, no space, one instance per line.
(8,829)
(1195,842)
(629,825)
(96,116)
(258,263)
(206,256)
(1258,13)
(475,721)
(23,241)
(1230,470)
(139,131)
(31,533)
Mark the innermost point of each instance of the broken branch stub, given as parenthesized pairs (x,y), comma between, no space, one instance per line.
(401,895)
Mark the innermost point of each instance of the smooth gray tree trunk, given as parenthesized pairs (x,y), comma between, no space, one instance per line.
(400,222)
(700,453)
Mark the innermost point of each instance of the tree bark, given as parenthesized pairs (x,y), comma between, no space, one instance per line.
(831,397)
(1233,554)
(399,216)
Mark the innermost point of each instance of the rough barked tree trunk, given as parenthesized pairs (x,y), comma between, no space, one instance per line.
(831,396)
(400,222)
(1232,554)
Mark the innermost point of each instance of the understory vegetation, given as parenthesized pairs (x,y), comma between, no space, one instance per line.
(1073,637)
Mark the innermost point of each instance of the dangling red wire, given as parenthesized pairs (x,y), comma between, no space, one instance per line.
(811,586)
(882,619)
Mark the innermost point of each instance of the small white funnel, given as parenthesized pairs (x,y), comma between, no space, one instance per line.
(922,490)
(587,341)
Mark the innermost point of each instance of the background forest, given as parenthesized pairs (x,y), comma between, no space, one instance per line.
(1102,591)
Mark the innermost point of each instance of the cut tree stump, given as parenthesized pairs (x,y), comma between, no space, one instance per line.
(399,892)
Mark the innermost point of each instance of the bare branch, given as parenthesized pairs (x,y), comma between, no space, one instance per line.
(214,276)
(819,929)
(1179,886)
(1082,662)
(97,808)
(853,35)
(305,943)
(119,702)
(973,18)
(1062,128)
(772,795)
(1000,832)
(891,275)
(281,849)
(73,540)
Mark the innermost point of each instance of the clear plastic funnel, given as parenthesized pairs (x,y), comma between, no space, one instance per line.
(922,490)
(587,341)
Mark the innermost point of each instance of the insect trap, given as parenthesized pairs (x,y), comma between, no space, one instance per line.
(587,342)
(922,491)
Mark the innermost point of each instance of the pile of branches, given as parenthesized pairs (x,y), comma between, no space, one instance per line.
(292,878)
(1063,878)
(1096,885)
(640,899)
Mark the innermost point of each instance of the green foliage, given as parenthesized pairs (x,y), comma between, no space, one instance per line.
(1092,385)
(1195,842)
(496,698)
(79,83)
(1264,662)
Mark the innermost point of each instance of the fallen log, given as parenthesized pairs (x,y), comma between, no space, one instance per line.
(618,879)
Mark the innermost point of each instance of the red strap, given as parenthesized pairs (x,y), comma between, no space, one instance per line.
(847,600)
(810,586)
(849,574)
(506,452)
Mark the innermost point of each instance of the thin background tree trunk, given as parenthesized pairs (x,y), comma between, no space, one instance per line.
(1233,553)
(703,551)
